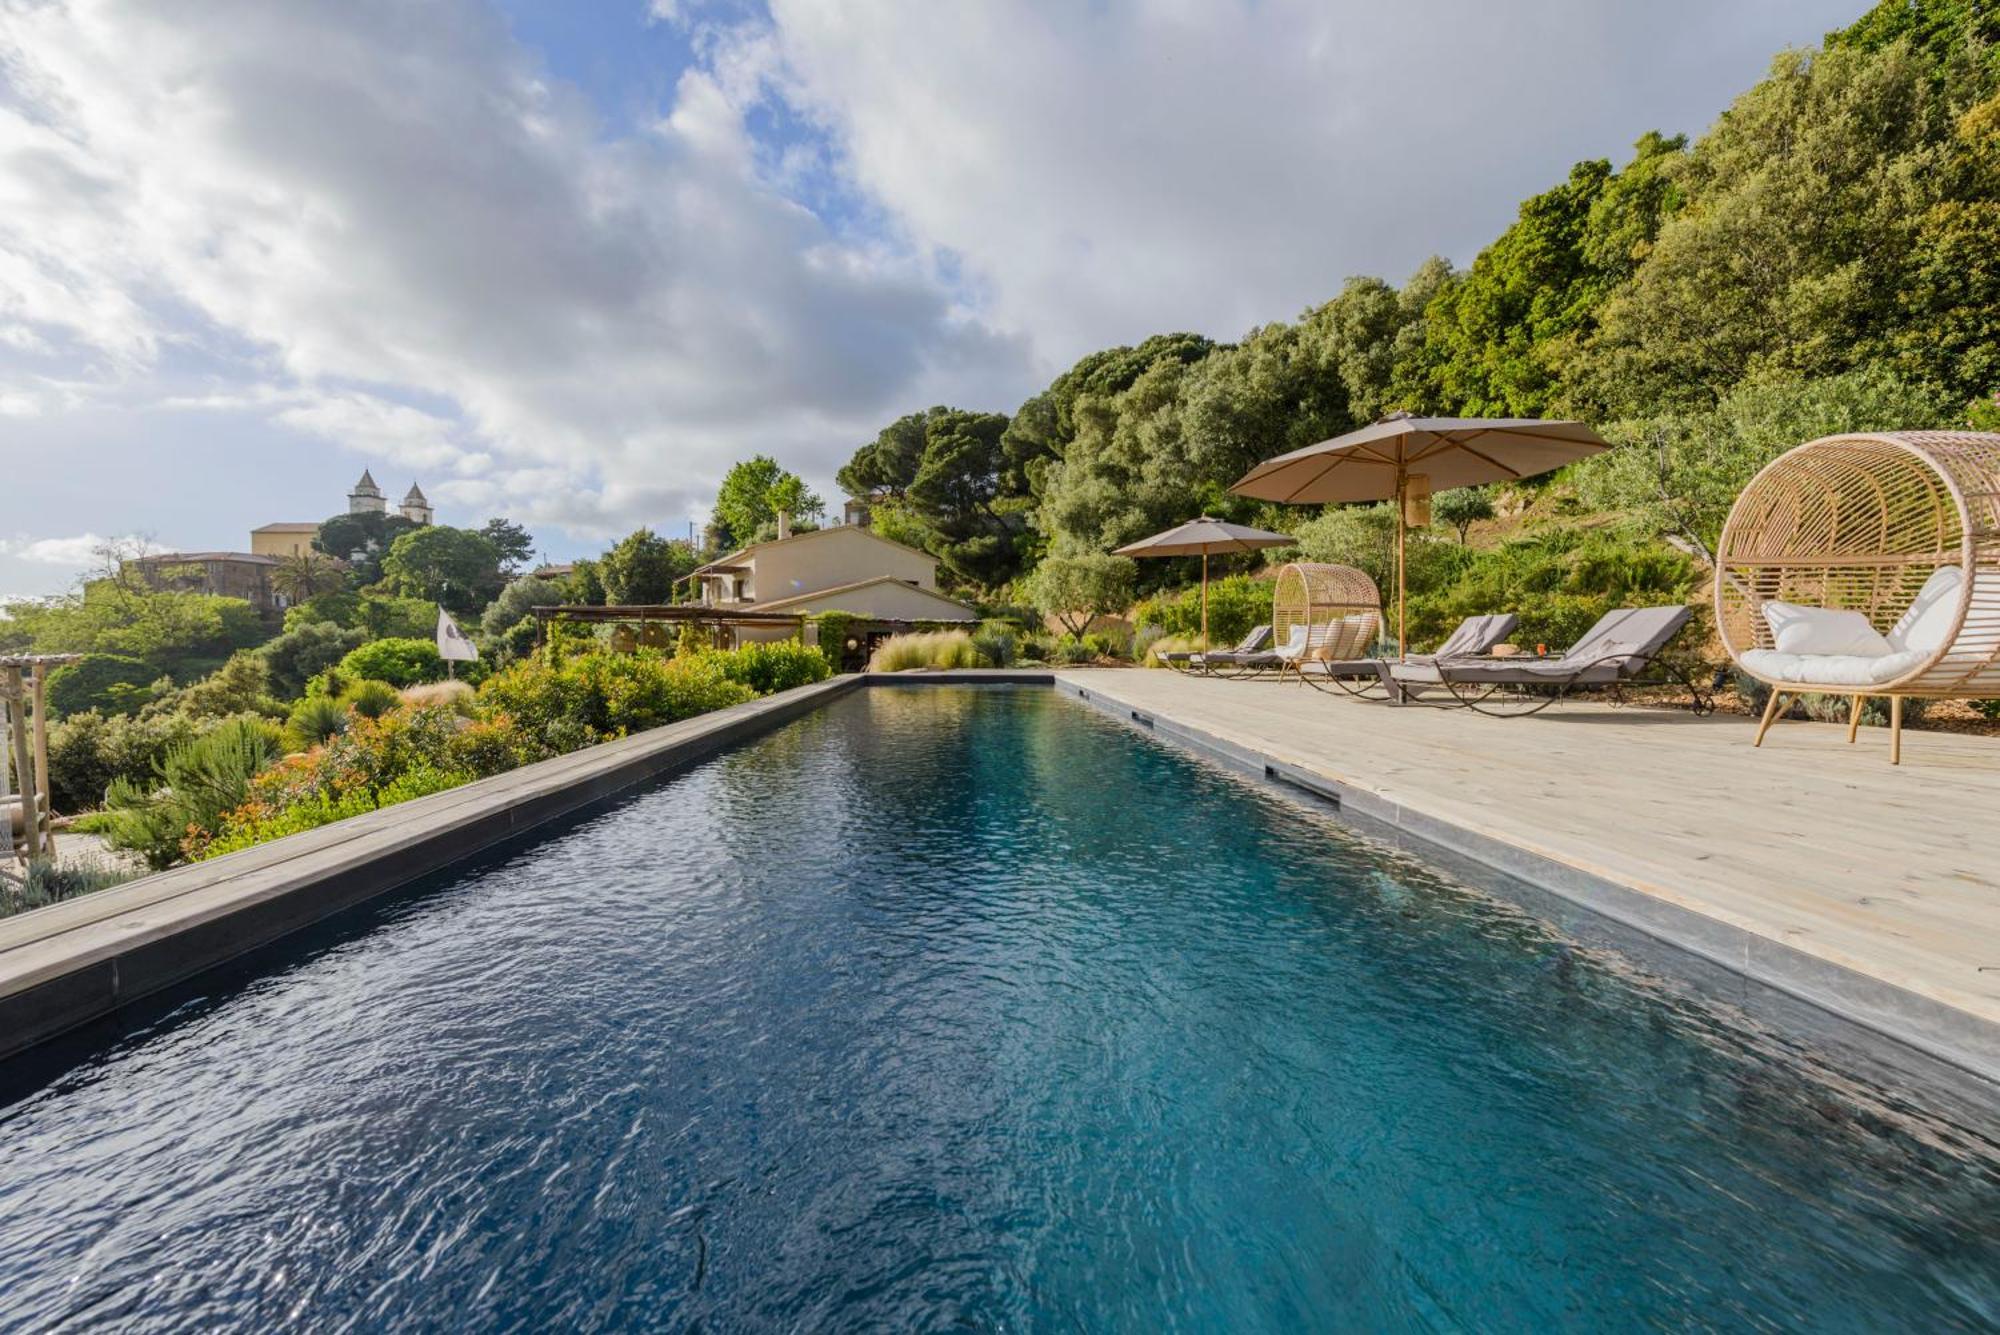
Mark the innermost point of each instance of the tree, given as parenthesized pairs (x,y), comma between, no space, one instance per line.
(514,543)
(240,686)
(453,567)
(361,540)
(306,575)
(306,651)
(1462,507)
(184,635)
(1802,208)
(644,567)
(1076,590)
(751,495)
(519,600)
(585,584)
(1680,473)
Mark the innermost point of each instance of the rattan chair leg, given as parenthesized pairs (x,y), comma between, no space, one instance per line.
(1895,730)
(1853,719)
(1771,710)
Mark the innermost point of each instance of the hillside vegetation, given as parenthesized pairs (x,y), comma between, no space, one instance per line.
(1826,257)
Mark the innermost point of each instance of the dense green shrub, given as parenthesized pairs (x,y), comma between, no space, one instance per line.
(239,686)
(181,635)
(194,786)
(305,651)
(1073,649)
(595,696)
(255,823)
(375,615)
(398,661)
(109,683)
(767,668)
(1558,580)
(1235,604)
(835,630)
(88,750)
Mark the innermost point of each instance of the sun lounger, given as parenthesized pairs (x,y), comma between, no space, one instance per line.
(1619,651)
(1298,642)
(1361,675)
(1191,660)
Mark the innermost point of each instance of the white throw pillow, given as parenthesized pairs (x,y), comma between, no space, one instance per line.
(1925,627)
(1823,630)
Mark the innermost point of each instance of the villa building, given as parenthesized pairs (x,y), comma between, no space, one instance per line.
(283,539)
(845,568)
(245,575)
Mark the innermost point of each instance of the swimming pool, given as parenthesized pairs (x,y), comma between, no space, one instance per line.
(951,1006)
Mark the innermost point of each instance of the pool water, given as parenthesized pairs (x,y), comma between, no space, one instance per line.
(954,1007)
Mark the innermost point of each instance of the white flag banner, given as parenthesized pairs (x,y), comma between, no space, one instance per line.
(453,646)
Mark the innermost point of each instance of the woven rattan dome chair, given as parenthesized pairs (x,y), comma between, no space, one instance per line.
(1319,596)
(1902,527)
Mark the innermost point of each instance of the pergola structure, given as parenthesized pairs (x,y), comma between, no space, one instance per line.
(24,771)
(642,615)
(650,621)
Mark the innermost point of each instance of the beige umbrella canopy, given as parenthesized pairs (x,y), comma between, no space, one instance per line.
(1199,537)
(1404,459)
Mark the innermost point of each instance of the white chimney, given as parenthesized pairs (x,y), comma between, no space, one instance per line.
(784,524)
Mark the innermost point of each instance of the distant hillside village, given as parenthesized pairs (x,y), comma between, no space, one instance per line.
(846,567)
(247,575)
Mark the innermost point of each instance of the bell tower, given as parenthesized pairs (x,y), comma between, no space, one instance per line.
(366,498)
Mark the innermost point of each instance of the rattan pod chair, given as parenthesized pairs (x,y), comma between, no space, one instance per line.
(1901,527)
(1338,605)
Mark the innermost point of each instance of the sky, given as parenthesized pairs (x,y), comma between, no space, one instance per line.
(567,260)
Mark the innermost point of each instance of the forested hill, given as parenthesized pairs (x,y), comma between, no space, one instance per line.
(1825,257)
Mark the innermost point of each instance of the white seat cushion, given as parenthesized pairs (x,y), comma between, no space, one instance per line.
(1927,624)
(1798,629)
(1831,670)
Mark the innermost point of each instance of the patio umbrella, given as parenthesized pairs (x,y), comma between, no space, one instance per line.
(1199,537)
(1401,456)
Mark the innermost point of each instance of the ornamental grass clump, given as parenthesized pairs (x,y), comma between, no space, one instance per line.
(1173,644)
(48,882)
(457,694)
(928,649)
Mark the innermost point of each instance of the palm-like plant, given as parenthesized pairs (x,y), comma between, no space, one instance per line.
(305,575)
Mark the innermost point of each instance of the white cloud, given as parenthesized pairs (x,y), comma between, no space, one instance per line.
(1112,170)
(387,225)
(376,204)
(77,552)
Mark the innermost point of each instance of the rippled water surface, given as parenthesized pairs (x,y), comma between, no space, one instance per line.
(965,1007)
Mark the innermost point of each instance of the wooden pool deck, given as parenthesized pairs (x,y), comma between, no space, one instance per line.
(1889,874)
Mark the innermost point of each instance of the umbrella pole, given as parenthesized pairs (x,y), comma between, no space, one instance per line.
(1402,597)
(1204,596)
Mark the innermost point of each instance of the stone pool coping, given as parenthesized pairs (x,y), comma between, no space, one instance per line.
(69,964)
